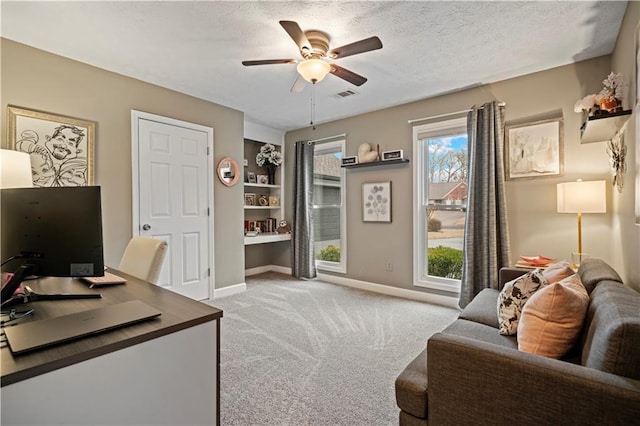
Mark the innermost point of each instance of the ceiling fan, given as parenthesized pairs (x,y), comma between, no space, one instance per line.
(314,49)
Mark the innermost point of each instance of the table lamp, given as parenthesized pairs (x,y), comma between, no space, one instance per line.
(15,169)
(582,197)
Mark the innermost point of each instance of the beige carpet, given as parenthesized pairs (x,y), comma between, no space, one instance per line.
(299,352)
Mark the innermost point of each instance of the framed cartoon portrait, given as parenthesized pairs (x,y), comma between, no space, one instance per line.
(61,148)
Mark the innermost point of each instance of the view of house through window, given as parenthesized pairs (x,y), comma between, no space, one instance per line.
(446,204)
(440,203)
(328,203)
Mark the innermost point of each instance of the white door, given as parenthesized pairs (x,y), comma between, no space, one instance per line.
(174,198)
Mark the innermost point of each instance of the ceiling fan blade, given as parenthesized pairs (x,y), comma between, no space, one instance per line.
(347,75)
(295,32)
(298,85)
(366,45)
(268,62)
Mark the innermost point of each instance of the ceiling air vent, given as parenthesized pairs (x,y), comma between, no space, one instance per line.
(345,94)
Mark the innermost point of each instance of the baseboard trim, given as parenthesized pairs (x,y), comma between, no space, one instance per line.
(229,290)
(267,268)
(449,301)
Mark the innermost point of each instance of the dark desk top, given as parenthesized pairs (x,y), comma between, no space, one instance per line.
(178,313)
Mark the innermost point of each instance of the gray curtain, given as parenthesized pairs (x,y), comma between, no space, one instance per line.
(302,240)
(486,239)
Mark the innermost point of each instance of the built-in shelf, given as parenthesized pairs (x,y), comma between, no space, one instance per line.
(604,127)
(376,163)
(261,185)
(271,237)
(260,207)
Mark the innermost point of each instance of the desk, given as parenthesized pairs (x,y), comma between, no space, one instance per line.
(162,371)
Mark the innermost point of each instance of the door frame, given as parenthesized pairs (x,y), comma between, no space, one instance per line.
(135,179)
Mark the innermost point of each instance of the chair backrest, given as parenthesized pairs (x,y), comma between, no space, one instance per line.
(143,258)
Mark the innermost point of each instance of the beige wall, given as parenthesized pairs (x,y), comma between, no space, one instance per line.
(623,61)
(39,80)
(535,227)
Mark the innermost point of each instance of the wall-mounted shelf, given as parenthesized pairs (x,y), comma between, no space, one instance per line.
(604,127)
(376,163)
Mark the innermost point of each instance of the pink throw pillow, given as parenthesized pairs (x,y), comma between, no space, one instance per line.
(552,318)
(557,271)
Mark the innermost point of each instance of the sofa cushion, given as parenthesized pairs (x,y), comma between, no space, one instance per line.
(411,387)
(481,332)
(592,271)
(612,330)
(482,308)
(552,318)
(513,297)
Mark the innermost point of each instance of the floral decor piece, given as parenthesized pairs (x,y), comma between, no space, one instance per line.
(270,159)
(617,150)
(608,100)
(614,86)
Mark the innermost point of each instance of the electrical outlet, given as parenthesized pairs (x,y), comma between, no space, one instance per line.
(389,266)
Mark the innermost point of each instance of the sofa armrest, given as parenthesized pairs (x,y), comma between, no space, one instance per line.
(473,382)
(509,274)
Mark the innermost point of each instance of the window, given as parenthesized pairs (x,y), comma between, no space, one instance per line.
(329,212)
(440,199)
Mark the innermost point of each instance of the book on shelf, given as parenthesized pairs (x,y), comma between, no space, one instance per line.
(269,224)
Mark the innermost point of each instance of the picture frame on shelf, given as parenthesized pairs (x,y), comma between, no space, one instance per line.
(61,148)
(263,201)
(251,177)
(274,200)
(534,149)
(262,179)
(376,202)
(249,199)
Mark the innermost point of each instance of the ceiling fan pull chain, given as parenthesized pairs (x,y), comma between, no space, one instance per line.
(313,105)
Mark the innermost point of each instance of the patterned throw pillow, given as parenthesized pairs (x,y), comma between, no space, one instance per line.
(512,298)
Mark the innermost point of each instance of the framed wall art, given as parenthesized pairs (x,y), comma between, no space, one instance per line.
(376,202)
(61,148)
(534,149)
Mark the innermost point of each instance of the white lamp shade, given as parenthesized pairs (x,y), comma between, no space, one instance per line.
(15,169)
(313,70)
(582,197)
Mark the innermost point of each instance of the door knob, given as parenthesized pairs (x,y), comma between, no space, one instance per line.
(146,227)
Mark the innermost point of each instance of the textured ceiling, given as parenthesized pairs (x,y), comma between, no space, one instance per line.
(430,47)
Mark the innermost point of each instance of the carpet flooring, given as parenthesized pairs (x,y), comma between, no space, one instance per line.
(297,352)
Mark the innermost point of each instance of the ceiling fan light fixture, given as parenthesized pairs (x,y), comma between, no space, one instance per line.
(313,70)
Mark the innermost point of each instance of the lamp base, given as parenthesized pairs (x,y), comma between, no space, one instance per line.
(578,258)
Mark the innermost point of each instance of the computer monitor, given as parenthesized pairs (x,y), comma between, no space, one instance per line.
(52,232)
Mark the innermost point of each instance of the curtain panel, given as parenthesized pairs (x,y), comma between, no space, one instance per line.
(486,243)
(302,240)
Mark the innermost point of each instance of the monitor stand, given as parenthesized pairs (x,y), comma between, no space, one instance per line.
(10,297)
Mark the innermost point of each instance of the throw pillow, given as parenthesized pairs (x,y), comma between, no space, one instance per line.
(552,318)
(513,297)
(558,271)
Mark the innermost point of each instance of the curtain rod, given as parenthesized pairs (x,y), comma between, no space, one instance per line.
(343,135)
(447,114)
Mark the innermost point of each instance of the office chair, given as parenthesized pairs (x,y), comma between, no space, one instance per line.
(143,258)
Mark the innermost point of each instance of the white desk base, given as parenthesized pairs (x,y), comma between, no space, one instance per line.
(170,380)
